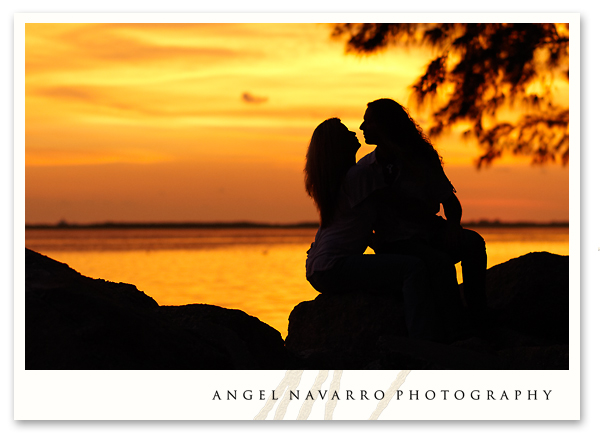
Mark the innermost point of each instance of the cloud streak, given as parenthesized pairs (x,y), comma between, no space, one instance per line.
(251,99)
(82,48)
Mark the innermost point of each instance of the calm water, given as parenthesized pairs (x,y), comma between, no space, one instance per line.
(260,271)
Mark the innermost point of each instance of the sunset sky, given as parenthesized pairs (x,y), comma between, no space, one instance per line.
(210,122)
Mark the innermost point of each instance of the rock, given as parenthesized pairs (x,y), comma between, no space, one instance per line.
(346,326)
(250,343)
(75,322)
(528,297)
(530,294)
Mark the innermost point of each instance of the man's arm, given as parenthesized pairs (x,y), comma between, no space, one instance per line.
(453,213)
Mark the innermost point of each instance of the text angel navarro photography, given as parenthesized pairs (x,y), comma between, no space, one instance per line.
(378,395)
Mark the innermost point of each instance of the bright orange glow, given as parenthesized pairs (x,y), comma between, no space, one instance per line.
(209,122)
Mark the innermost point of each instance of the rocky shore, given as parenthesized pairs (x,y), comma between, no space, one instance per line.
(75,322)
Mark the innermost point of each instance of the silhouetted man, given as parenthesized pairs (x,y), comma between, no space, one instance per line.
(409,170)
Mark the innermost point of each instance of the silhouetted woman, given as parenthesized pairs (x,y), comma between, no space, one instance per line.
(335,262)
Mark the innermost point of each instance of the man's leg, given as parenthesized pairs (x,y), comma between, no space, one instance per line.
(393,274)
(442,279)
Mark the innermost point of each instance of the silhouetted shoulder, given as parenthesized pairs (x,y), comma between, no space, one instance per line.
(359,172)
(367,160)
(360,182)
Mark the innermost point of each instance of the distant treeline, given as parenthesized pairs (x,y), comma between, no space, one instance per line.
(255,225)
(173,225)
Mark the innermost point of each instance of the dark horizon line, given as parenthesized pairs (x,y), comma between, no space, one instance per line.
(255,225)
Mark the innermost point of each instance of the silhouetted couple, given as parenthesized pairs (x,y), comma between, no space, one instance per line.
(390,201)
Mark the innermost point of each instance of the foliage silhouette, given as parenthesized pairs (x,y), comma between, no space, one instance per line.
(480,69)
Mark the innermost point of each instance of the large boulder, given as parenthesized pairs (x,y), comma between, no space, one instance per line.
(75,322)
(530,294)
(344,329)
(528,300)
(248,342)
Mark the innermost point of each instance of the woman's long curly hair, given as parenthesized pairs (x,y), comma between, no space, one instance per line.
(327,161)
(402,129)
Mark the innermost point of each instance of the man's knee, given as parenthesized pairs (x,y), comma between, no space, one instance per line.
(473,240)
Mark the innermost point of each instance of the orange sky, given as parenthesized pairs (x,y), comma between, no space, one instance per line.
(210,122)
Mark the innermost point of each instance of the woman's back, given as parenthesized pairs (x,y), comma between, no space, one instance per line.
(350,230)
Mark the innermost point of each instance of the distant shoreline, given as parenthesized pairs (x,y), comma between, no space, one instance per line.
(256,225)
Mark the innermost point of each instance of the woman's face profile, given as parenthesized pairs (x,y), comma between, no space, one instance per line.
(348,138)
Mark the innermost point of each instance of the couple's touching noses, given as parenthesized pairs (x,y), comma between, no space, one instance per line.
(390,201)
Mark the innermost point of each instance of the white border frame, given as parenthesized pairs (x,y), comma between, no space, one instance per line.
(187,395)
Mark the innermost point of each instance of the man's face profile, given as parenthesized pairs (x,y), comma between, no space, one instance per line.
(370,128)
